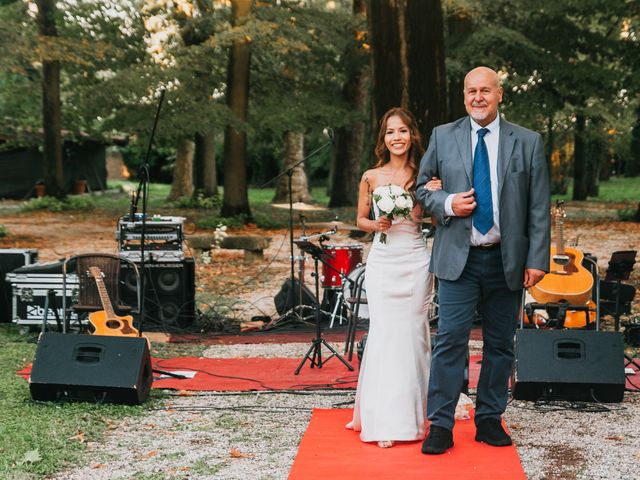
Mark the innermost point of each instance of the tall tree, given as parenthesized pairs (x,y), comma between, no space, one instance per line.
(51,107)
(205,175)
(197,27)
(236,197)
(293,153)
(349,139)
(182,184)
(408,59)
(633,164)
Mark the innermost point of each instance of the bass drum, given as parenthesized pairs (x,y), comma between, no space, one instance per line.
(349,290)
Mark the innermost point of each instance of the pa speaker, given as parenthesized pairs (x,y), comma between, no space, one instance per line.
(10,259)
(582,365)
(169,294)
(92,368)
(289,296)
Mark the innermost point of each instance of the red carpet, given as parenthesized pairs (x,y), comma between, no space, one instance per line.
(239,374)
(254,373)
(328,450)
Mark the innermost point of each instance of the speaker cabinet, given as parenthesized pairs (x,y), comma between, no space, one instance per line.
(582,365)
(169,294)
(289,296)
(91,368)
(10,259)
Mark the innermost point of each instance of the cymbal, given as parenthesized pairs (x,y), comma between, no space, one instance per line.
(339,225)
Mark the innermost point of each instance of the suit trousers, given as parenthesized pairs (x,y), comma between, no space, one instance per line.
(481,286)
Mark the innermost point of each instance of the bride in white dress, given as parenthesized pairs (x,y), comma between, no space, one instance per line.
(391,398)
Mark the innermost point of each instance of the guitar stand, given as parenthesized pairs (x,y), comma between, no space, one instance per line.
(558,312)
(314,354)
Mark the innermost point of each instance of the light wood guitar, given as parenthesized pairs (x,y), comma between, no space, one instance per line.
(106,322)
(567,278)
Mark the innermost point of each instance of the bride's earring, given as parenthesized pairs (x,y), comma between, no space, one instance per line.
(385,443)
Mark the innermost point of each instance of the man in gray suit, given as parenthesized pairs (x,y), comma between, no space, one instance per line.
(492,239)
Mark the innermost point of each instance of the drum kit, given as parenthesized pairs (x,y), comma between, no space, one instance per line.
(336,269)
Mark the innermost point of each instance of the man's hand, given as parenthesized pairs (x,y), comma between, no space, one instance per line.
(463,203)
(532,276)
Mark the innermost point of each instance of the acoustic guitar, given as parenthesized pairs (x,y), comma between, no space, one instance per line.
(106,322)
(567,278)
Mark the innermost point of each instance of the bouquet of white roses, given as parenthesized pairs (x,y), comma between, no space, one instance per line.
(393,202)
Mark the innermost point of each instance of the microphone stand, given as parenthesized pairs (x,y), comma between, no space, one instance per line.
(143,189)
(289,173)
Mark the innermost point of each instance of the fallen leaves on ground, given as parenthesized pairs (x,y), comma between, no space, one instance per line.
(235,453)
(78,437)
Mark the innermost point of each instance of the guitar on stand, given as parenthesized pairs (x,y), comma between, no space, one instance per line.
(568,283)
(106,322)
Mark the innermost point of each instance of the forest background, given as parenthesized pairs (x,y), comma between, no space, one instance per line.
(251,85)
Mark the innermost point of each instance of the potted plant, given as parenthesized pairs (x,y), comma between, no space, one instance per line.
(40,188)
(79,187)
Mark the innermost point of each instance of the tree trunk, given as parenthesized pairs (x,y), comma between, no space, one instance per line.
(349,140)
(293,153)
(51,108)
(182,185)
(632,165)
(549,143)
(595,159)
(460,27)
(206,179)
(236,196)
(579,160)
(408,60)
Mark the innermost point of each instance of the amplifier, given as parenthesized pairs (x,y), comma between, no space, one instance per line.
(163,239)
(29,292)
(10,259)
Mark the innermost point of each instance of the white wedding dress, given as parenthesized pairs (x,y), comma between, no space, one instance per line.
(391,399)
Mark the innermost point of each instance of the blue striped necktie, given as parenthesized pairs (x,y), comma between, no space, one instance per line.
(483,214)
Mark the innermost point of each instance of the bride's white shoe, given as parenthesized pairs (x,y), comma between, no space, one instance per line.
(385,443)
(349,425)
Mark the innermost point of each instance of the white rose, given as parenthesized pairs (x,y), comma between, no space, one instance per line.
(396,190)
(382,191)
(385,204)
(404,201)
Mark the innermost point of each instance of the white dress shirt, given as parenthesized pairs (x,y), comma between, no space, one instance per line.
(491,140)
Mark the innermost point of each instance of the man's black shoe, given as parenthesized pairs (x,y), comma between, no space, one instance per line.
(490,431)
(438,441)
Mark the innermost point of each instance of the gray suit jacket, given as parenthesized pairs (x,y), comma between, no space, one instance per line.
(523,195)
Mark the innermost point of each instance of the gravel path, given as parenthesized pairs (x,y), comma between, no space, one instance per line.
(256,435)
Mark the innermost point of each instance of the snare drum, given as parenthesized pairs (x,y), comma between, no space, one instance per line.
(345,259)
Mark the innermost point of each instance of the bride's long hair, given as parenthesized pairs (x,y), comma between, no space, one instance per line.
(415,151)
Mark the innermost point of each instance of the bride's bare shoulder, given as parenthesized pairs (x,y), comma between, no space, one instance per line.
(370,177)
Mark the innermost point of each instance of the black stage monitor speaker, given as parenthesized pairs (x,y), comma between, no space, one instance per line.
(582,365)
(93,368)
(169,294)
(287,298)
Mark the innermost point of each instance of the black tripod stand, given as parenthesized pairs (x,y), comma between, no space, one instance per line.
(295,312)
(314,354)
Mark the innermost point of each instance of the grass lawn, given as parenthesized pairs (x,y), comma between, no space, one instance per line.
(616,189)
(41,438)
